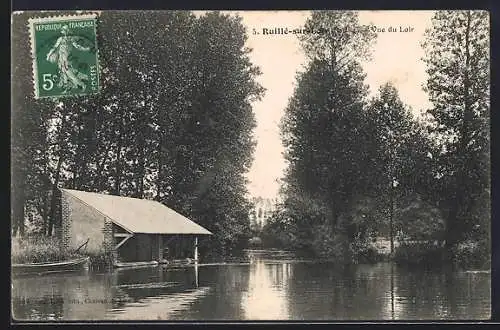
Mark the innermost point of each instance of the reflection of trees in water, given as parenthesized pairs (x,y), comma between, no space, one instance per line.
(120,298)
(327,291)
(384,292)
(436,294)
(261,290)
(36,298)
(41,308)
(425,294)
(65,296)
(277,273)
(217,295)
(265,297)
(139,283)
(154,293)
(223,302)
(306,282)
(163,307)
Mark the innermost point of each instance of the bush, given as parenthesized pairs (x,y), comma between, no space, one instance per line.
(277,233)
(424,253)
(368,255)
(255,242)
(471,254)
(329,245)
(39,249)
(419,220)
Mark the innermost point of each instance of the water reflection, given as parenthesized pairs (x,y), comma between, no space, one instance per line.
(155,293)
(268,289)
(135,294)
(266,297)
(62,296)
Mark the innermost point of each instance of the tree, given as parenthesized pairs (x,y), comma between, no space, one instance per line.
(403,153)
(179,140)
(324,127)
(457,58)
(172,122)
(29,124)
(219,144)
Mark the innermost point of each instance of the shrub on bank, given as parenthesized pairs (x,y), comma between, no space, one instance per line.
(471,254)
(100,261)
(255,242)
(422,253)
(369,255)
(39,249)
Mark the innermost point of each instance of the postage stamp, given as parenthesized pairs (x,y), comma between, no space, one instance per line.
(65,55)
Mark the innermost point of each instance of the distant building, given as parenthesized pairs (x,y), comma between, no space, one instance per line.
(263,209)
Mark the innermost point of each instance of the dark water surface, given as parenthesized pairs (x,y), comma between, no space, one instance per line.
(270,287)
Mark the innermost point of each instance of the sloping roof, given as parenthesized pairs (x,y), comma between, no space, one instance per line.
(139,215)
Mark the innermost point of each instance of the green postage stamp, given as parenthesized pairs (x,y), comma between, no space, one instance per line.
(65,55)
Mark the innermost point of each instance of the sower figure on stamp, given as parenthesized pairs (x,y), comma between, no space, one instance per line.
(60,53)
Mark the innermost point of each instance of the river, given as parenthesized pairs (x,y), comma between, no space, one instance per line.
(271,286)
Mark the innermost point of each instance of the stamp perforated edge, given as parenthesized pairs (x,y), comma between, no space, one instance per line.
(56,18)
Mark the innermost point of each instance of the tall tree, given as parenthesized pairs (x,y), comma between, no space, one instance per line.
(29,124)
(219,146)
(404,156)
(172,122)
(323,130)
(457,58)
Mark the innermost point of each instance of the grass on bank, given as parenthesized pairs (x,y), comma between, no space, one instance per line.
(39,249)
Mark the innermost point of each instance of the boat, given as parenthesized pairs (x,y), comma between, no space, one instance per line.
(135,264)
(51,267)
(154,263)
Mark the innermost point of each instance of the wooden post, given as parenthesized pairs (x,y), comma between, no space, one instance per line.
(391,215)
(196,249)
(392,291)
(196,274)
(160,247)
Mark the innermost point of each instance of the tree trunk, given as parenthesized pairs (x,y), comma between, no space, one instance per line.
(45,216)
(100,168)
(18,204)
(53,203)
(140,171)
(391,216)
(118,166)
(159,179)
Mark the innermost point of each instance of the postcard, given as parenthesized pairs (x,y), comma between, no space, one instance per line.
(250,165)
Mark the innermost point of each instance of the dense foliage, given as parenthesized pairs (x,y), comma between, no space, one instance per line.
(457,58)
(173,122)
(360,168)
(325,135)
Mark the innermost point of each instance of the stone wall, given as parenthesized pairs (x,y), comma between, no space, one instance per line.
(63,231)
(108,242)
(81,222)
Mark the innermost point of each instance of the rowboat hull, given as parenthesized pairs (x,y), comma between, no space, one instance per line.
(136,264)
(50,267)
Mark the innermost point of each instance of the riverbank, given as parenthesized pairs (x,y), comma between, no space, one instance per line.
(419,254)
(38,249)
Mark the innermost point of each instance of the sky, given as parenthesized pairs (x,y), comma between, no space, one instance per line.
(396,57)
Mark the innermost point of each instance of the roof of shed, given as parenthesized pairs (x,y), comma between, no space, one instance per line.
(139,215)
